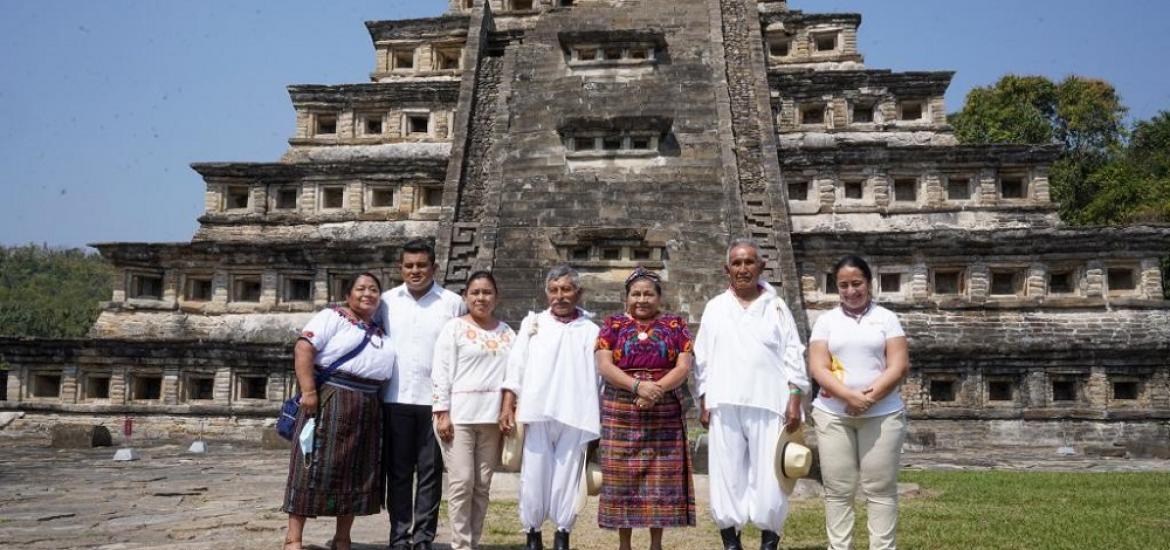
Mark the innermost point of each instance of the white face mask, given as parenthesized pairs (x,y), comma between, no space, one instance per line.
(306,437)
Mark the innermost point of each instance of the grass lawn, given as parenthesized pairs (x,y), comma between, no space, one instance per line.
(955,510)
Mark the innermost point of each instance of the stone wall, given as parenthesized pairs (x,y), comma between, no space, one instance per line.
(548,198)
(762,196)
(791,39)
(233,291)
(1138,438)
(144,378)
(298,202)
(148,427)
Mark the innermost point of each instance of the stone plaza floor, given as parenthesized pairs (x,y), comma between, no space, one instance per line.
(230,497)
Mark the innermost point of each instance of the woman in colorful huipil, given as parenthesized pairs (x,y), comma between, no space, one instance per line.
(644,355)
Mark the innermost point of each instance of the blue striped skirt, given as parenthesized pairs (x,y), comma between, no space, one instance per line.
(343,474)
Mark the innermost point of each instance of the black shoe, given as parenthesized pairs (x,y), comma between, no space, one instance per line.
(769,540)
(730,539)
(422,545)
(534,541)
(561,540)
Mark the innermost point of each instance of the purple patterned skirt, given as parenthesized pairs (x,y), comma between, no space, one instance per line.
(645,462)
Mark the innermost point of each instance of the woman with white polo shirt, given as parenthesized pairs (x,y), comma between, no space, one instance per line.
(858,354)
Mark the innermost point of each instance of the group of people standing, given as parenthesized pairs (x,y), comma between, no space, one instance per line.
(396,384)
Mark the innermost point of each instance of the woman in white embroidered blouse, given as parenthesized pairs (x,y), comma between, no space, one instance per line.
(469,363)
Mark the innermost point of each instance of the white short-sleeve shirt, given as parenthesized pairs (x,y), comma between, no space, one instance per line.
(334,333)
(860,346)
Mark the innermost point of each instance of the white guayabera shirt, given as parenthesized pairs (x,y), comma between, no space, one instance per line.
(748,356)
(553,372)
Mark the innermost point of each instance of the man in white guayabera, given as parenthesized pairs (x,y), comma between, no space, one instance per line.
(750,373)
(553,374)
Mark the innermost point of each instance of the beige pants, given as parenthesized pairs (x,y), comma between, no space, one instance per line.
(470,457)
(866,451)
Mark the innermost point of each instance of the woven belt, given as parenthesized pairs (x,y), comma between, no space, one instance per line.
(348,381)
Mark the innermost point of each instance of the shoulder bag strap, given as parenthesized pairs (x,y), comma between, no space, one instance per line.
(328,372)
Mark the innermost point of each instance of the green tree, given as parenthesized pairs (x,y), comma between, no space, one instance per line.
(1017,109)
(51,293)
(1134,187)
(1084,116)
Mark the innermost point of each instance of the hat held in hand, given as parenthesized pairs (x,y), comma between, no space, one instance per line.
(512,449)
(793,460)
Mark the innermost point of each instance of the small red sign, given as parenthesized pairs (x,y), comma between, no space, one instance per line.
(127,427)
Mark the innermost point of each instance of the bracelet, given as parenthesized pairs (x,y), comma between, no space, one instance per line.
(310,392)
(794,391)
(636,382)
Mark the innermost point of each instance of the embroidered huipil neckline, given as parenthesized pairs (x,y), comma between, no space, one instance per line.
(357,321)
(644,329)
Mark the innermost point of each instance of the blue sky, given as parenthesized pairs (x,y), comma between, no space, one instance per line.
(104,104)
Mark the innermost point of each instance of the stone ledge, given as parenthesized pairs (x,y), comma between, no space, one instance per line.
(268,410)
(1078,413)
(370,95)
(794,84)
(418,29)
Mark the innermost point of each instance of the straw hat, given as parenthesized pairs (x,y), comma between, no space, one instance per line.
(511,449)
(593,477)
(793,460)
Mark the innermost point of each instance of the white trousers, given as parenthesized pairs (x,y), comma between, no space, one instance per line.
(470,457)
(550,474)
(741,446)
(863,451)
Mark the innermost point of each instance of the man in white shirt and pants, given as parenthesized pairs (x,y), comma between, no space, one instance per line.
(552,371)
(414,313)
(750,373)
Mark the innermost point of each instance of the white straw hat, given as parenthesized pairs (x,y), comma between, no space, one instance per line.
(512,449)
(793,460)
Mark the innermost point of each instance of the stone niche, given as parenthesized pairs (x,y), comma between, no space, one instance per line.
(1001,282)
(370,114)
(419,49)
(605,257)
(627,137)
(795,40)
(1065,387)
(859,101)
(619,54)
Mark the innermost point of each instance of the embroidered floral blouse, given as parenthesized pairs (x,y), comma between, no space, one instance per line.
(651,347)
(468,369)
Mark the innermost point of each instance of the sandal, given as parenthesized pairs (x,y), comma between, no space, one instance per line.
(296,542)
(333,544)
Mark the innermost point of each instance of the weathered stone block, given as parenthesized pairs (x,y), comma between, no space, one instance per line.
(80,436)
(269,439)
